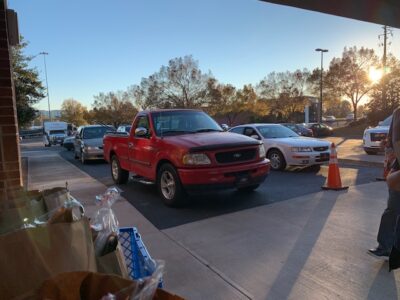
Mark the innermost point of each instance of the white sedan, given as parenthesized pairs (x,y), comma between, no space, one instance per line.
(284,147)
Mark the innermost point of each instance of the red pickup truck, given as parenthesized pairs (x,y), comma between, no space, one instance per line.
(184,150)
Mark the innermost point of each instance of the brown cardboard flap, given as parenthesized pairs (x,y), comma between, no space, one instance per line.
(113,263)
(29,256)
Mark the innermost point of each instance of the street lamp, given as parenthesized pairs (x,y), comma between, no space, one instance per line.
(47,84)
(319,112)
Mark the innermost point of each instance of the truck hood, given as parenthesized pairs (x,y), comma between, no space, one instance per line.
(211,141)
(378,129)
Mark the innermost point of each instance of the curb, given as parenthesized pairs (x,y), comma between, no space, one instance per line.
(361,163)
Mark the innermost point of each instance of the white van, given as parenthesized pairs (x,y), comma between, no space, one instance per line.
(374,136)
(54,133)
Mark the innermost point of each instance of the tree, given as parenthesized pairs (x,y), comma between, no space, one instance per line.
(72,111)
(285,93)
(348,76)
(180,84)
(28,88)
(378,107)
(223,101)
(113,108)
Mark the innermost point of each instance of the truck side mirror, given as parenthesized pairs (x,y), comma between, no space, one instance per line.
(141,132)
(224,127)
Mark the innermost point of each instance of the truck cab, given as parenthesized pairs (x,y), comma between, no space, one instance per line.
(184,151)
(373,136)
(54,133)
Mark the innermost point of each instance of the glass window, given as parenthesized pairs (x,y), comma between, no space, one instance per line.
(237,130)
(143,122)
(387,121)
(183,122)
(95,132)
(276,131)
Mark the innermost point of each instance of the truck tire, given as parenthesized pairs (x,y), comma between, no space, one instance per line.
(119,175)
(169,186)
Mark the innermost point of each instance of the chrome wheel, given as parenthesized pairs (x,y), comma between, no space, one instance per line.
(275,160)
(114,169)
(168,186)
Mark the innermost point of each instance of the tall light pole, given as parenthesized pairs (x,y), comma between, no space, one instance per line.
(319,112)
(47,84)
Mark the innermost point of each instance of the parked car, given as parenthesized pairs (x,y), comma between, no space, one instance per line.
(185,151)
(88,143)
(69,143)
(350,117)
(284,147)
(124,128)
(320,129)
(299,129)
(373,137)
(330,118)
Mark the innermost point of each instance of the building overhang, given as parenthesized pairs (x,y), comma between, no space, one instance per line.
(385,12)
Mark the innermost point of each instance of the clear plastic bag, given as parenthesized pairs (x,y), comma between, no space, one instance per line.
(104,221)
(70,203)
(142,289)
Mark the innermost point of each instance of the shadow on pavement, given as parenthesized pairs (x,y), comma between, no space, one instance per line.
(379,288)
(297,258)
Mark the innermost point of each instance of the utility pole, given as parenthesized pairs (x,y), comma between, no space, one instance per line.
(319,111)
(384,63)
(47,84)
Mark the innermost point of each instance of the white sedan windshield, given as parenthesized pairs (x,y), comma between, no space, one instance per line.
(276,131)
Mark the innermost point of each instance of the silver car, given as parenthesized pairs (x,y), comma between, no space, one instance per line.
(88,143)
(284,147)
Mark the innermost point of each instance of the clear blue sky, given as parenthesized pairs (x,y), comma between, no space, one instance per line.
(101,46)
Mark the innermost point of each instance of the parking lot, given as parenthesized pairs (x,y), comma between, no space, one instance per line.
(279,186)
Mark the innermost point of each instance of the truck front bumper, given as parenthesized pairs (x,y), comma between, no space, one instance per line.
(224,177)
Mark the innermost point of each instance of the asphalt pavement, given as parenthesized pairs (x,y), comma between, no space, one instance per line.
(279,186)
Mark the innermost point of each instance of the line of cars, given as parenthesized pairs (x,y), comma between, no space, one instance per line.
(286,144)
(186,150)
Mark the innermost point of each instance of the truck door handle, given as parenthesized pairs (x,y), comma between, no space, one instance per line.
(130,145)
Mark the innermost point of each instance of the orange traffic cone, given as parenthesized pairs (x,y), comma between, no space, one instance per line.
(386,169)
(334,182)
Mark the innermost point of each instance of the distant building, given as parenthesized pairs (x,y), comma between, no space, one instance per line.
(54,113)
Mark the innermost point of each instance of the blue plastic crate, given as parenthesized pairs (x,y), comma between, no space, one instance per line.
(137,258)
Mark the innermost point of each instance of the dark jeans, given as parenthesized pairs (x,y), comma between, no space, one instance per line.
(388,221)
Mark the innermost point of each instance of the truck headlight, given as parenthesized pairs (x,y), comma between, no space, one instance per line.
(301,149)
(261,151)
(196,159)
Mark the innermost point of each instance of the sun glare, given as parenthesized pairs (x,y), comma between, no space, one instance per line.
(375,74)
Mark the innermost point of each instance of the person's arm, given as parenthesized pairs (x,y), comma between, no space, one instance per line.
(393,181)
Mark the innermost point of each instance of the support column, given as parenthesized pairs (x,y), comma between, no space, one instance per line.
(10,158)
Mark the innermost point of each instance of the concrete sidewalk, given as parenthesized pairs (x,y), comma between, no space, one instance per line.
(311,247)
(185,275)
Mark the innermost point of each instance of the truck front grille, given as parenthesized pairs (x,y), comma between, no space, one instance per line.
(235,156)
(320,149)
(377,137)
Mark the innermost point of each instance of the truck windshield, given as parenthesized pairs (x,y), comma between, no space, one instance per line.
(57,132)
(183,122)
(95,132)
